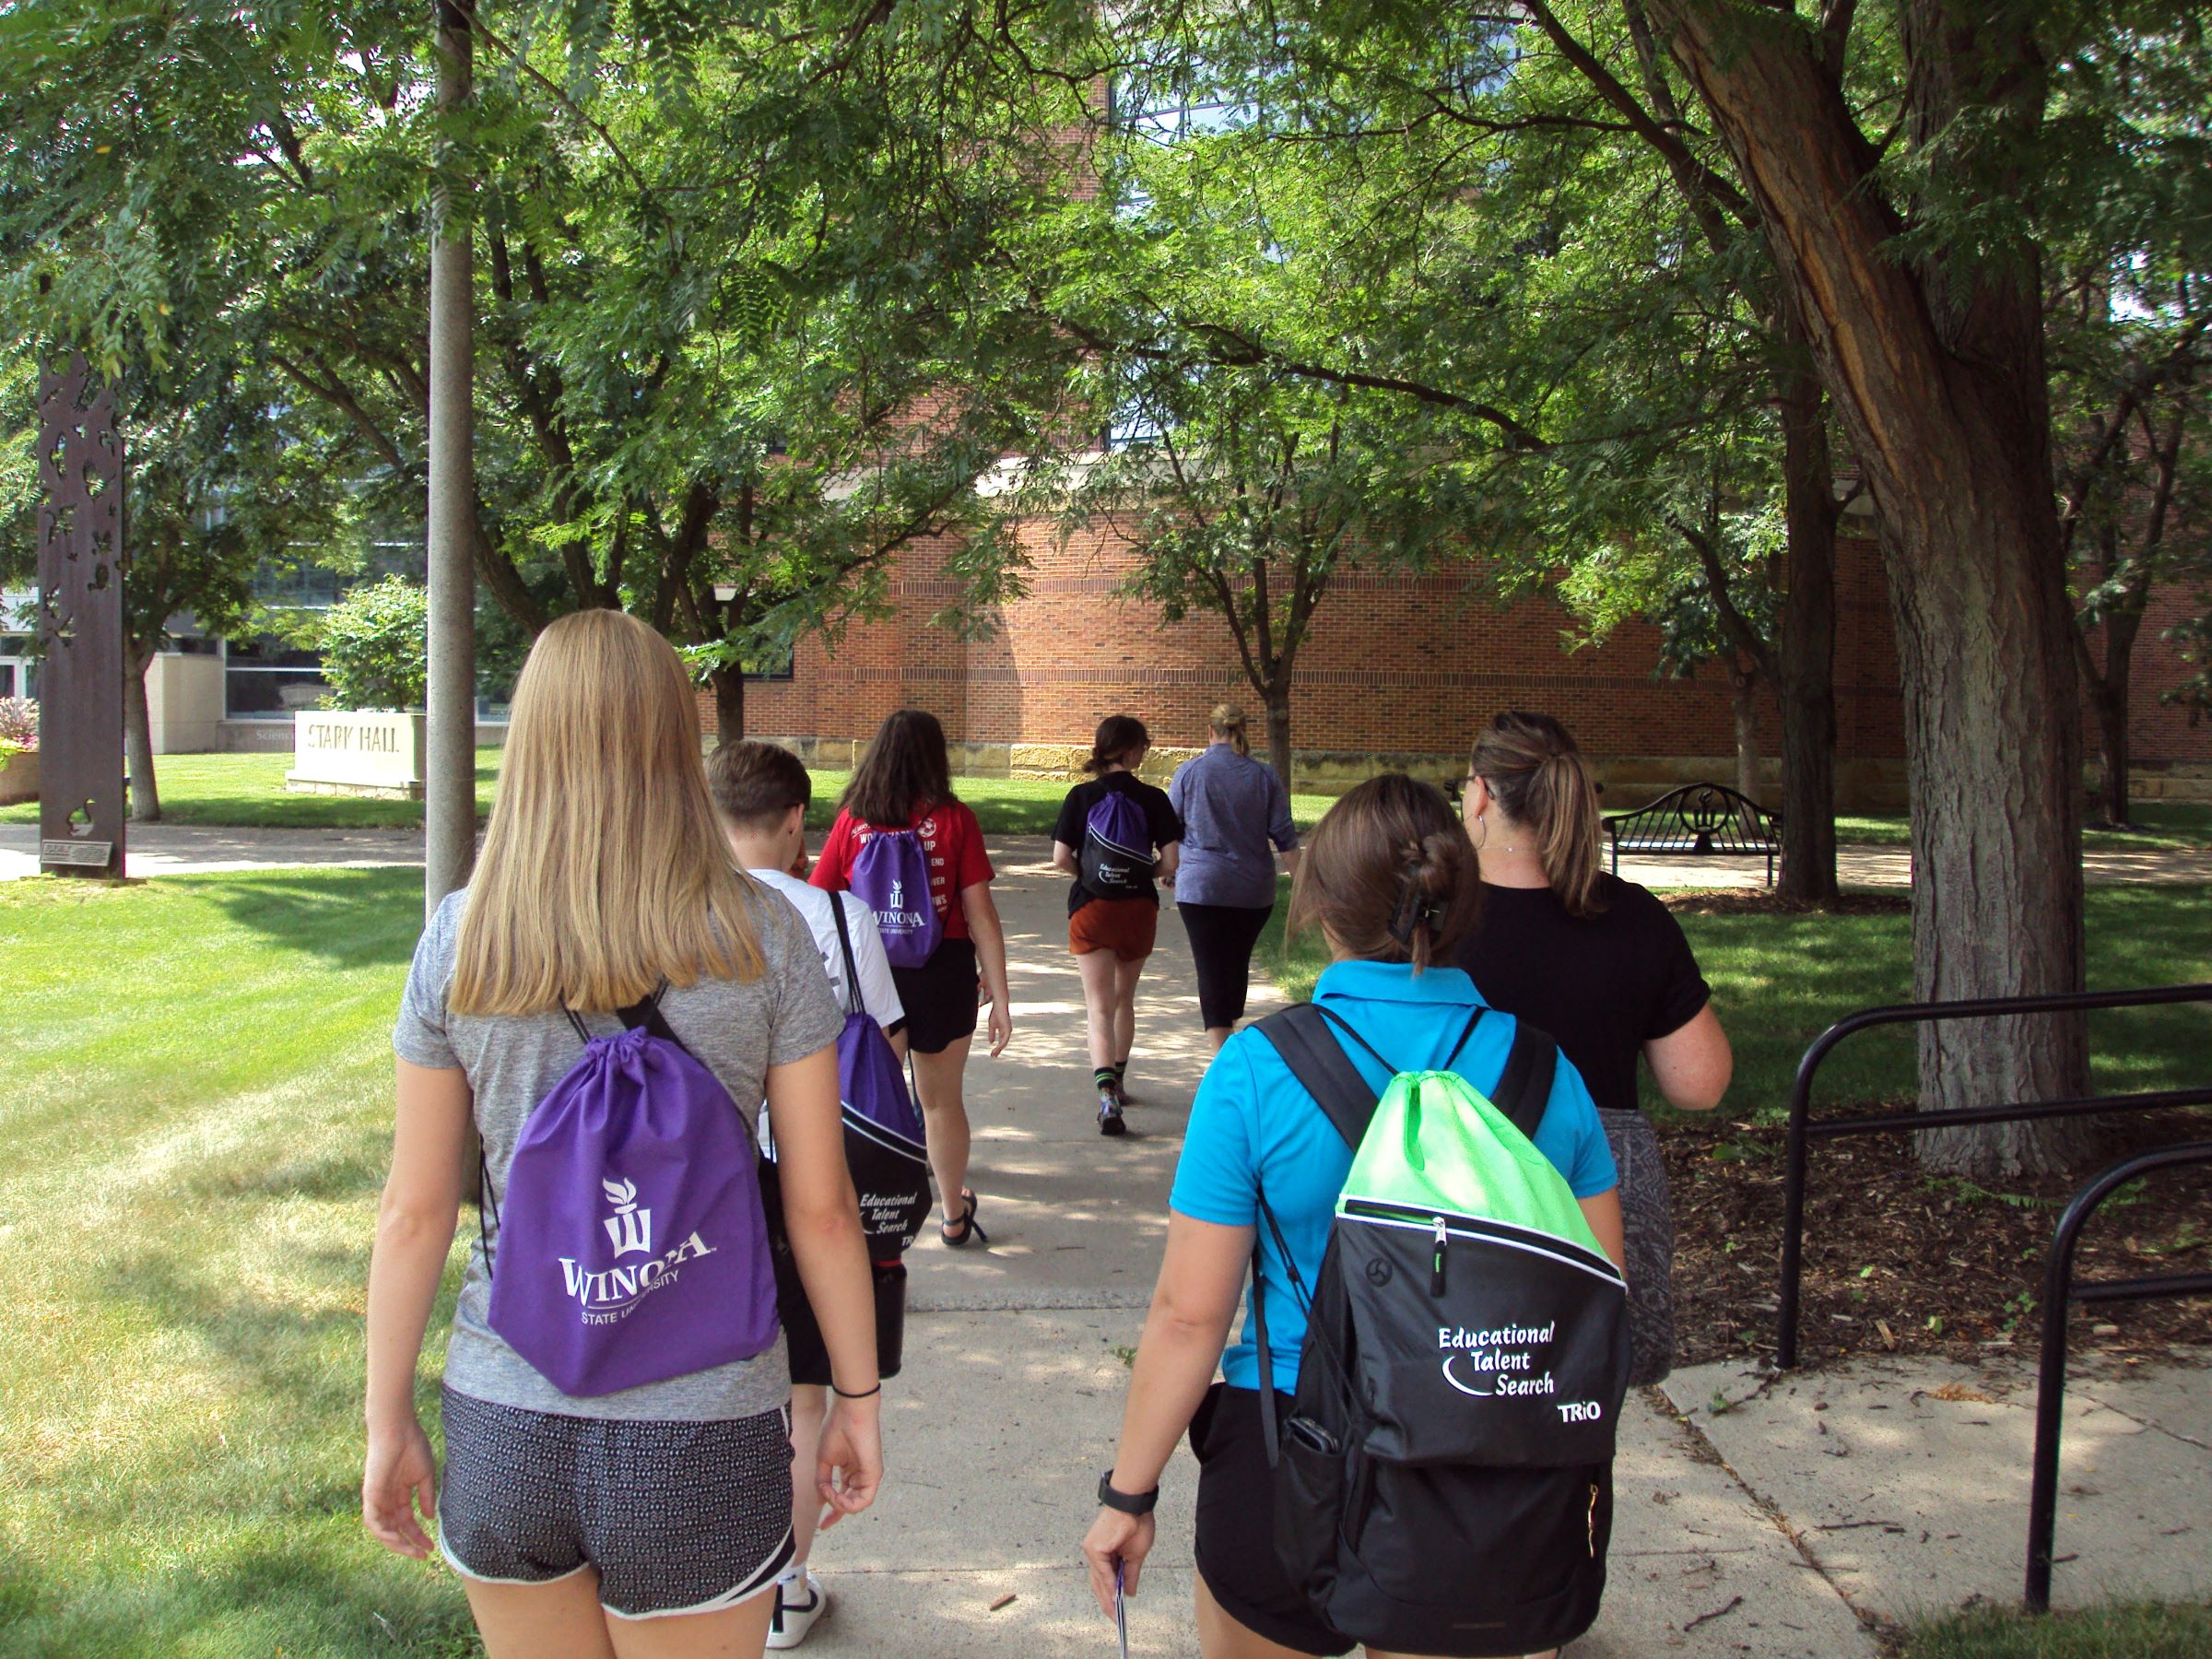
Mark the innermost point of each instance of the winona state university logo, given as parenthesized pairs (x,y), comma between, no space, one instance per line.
(603,1297)
(897,918)
(630,1226)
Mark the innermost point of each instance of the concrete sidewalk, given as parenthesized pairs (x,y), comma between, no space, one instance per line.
(1907,1482)
(178,849)
(154,850)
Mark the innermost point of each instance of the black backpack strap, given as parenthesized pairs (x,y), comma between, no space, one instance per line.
(1270,1436)
(1523,1088)
(844,943)
(648,1014)
(1300,1035)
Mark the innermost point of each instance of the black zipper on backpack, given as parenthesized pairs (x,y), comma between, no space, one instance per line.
(1436,1260)
(1478,1228)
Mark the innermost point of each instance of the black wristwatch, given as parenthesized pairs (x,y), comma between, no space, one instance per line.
(1141,1504)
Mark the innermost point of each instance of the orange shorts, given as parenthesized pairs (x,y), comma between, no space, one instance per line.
(1126,926)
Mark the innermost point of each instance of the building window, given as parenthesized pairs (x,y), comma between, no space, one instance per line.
(266,679)
(770,663)
(18,672)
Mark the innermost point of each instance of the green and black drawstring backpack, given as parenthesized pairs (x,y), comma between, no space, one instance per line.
(1444,1482)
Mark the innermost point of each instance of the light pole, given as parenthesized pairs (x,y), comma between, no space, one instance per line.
(448,786)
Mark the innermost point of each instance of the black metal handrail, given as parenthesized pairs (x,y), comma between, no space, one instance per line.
(1803,1131)
(2060,1291)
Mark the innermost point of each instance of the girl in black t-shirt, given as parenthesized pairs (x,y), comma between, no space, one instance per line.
(1117,836)
(1601,965)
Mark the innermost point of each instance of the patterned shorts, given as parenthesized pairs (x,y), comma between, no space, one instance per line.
(675,1517)
(1647,1217)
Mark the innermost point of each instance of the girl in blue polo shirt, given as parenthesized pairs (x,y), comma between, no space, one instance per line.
(1390,850)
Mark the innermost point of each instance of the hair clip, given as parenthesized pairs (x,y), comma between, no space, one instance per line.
(1412,911)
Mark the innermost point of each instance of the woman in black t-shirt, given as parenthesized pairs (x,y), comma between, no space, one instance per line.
(1601,965)
(1115,835)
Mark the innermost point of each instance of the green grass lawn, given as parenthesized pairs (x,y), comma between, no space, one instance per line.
(2149,1631)
(1779,980)
(196,1122)
(248,790)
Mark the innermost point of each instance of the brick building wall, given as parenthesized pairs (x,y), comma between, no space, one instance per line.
(1397,672)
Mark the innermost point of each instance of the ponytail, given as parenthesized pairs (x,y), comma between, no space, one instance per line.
(1229,722)
(1568,842)
(1538,778)
(1118,738)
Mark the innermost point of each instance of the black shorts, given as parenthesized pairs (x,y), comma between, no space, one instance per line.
(677,1517)
(1221,939)
(803,1333)
(1235,1542)
(939,997)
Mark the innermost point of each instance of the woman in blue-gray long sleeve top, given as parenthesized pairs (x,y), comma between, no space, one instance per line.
(1235,814)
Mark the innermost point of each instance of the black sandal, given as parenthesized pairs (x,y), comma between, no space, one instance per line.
(969,1231)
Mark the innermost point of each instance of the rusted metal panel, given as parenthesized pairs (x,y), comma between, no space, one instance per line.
(82,807)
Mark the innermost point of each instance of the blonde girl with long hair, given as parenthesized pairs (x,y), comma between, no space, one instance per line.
(649,1522)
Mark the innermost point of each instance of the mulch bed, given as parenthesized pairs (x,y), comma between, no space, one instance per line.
(1898,1261)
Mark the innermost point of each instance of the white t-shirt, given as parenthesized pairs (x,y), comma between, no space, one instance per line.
(878,996)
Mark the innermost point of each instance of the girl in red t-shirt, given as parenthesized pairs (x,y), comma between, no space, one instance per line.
(905,782)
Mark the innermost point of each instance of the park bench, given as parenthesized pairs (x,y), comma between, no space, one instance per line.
(1697,820)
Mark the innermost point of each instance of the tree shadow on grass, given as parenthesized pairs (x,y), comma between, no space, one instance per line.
(357,918)
(337,1172)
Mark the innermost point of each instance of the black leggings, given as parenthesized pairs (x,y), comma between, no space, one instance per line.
(1221,939)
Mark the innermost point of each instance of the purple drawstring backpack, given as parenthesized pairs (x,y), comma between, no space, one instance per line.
(1116,860)
(891,878)
(884,1144)
(633,1246)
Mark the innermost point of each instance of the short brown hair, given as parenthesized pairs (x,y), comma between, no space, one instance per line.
(756,784)
(1389,873)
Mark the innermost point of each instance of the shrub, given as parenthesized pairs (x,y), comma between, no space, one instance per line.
(18,726)
(376,646)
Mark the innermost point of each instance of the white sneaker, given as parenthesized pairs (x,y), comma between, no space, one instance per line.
(794,1617)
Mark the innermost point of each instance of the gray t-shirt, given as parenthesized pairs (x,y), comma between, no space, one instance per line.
(737,1030)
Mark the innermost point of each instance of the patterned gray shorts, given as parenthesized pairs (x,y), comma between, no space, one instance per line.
(675,1517)
(1647,1217)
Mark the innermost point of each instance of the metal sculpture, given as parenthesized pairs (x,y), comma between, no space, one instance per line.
(82,804)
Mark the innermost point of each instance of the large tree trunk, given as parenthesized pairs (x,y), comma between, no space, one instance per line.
(2112,780)
(1805,664)
(2109,695)
(729,705)
(1743,693)
(138,738)
(1277,700)
(1937,371)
